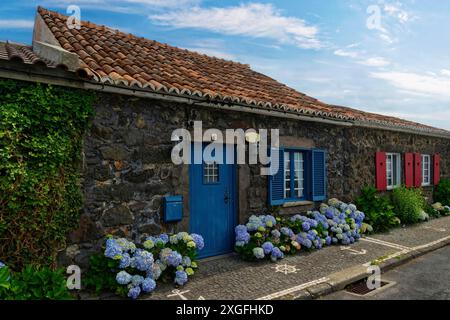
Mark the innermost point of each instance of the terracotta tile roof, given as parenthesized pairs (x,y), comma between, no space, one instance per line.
(21,53)
(117,58)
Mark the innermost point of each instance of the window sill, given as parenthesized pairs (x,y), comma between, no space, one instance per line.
(297,203)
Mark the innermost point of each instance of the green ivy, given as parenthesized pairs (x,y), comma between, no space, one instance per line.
(41,130)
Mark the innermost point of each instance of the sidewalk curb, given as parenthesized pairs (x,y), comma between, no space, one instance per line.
(339,280)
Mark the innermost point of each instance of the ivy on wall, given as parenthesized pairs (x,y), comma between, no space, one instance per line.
(41,130)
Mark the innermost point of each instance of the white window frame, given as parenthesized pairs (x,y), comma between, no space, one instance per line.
(390,170)
(426,179)
(298,175)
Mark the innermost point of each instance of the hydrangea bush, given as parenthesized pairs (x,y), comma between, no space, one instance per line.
(137,268)
(269,237)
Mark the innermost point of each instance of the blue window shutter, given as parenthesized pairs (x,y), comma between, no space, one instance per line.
(319,181)
(276,181)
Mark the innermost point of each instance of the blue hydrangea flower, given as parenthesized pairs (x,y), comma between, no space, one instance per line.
(287,232)
(199,241)
(125,261)
(254,222)
(242,236)
(240,228)
(329,213)
(155,272)
(126,245)
(123,278)
(276,253)
(2,265)
(328,240)
(148,285)
(112,249)
(269,221)
(307,243)
(181,277)
(306,226)
(267,247)
(164,238)
(136,280)
(174,259)
(142,260)
(134,292)
(186,262)
(276,234)
(258,253)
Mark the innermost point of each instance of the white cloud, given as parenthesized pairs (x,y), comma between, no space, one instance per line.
(396,11)
(445,72)
(359,56)
(387,38)
(345,53)
(375,62)
(437,87)
(252,19)
(16,24)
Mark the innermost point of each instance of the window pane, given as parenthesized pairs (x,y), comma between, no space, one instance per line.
(210,172)
(287,175)
(394,170)
(389,170)
(299,173)
(426,169)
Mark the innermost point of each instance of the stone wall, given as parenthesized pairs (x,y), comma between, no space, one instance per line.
(127,167)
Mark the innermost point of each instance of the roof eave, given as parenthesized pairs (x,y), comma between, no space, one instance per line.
(69,79)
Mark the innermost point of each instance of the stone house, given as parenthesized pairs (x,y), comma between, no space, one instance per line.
(147,89)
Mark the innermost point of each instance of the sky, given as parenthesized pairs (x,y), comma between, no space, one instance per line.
(383,56)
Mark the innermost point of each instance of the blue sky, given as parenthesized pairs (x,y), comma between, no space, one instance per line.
(389,57)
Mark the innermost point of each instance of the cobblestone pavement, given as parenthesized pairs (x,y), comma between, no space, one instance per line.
(426,277)
(230,278)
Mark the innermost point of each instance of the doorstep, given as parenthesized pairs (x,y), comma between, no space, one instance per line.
(309,274)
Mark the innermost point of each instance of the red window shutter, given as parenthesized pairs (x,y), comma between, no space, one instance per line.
(380,165)
(409,170)
(417,169)
(436,169)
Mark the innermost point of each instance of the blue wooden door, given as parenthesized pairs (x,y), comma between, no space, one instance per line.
(212,206)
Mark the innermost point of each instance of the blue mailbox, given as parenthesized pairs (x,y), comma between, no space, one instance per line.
(173,208)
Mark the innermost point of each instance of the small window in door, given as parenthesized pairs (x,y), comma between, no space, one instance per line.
(210,173)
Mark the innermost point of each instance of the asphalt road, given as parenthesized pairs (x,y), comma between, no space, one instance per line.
(425,278)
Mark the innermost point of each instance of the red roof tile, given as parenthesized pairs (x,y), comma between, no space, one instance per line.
(21,53)
(114,57)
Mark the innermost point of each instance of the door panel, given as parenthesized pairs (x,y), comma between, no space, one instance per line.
(212,206)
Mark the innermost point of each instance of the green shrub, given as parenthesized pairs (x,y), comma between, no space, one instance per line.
(442,192)
(408,204)
(100,277)
(378,210)
(41,129)
(34,284)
